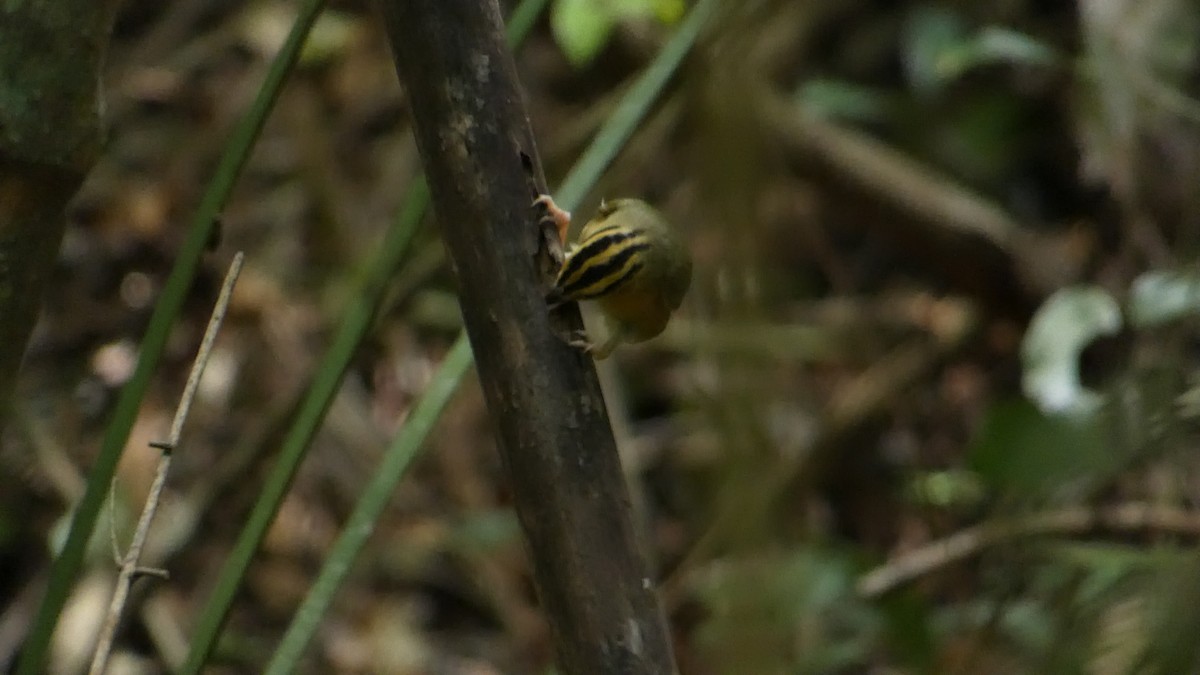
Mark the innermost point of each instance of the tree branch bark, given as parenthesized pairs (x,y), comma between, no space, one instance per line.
(51,52)
(543,396)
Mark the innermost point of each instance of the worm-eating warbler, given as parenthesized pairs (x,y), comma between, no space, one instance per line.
(631,262)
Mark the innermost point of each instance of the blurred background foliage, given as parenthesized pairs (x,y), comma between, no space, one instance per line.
(930,406)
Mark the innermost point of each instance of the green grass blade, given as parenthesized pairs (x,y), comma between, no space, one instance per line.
(522,20)
(354,325)
(66,566)
(372,503)
(632,108)
(351,330)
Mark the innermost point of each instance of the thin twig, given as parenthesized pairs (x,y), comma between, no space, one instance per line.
(948,219)
(130,569)
(961,545)
(901,181)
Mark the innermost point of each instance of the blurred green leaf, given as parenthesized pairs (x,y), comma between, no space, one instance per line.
(1062,327)
(1161,297)
(1020,448)
(1025,623)
(937,48)
(330,36)
(582,27)
(929,33)
(947,489)
(795,612)
(1028,623)
(842,100)
(989,46)
(1107,565)
(669,11)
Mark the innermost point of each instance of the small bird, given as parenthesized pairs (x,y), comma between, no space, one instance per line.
(630,261)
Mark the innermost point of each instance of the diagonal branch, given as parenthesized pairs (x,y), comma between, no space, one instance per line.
(543,396)
(1128,517)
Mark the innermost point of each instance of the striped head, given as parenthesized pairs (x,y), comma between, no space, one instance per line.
(628,245)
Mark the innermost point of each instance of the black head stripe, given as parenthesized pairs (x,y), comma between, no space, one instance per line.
(600,269)
(606,229)
(587,253)
(616,283)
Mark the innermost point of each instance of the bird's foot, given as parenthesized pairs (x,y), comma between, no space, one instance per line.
(579,340)
(560,218)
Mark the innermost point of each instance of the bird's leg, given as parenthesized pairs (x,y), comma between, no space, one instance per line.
(579,338)
(561,218)
(580,341)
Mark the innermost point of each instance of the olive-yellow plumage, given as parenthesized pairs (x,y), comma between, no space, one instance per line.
(631,262)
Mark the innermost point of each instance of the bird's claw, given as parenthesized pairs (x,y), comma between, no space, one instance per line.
(579,340)
(554,214)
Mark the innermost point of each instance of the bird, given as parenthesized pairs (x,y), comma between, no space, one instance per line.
(630,261)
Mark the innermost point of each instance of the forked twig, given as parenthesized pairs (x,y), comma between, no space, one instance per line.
(130,567)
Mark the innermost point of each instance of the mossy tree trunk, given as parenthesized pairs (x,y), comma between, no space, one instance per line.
(51,53)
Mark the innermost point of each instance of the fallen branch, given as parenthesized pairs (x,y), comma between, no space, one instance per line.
(1135,516)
